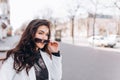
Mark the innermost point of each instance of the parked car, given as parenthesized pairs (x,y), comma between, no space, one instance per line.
(117,37)
(102,41)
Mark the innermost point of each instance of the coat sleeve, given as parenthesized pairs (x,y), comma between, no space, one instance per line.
(6,71)
(56,67)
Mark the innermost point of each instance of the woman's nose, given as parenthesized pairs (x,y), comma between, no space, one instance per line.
(44,37)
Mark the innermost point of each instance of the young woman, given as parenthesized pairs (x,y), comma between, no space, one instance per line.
(35,57)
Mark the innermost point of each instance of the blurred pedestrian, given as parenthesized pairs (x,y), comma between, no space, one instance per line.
(35,57)
(3,30)
(9,31)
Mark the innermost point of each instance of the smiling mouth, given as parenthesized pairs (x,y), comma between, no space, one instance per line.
(38,40)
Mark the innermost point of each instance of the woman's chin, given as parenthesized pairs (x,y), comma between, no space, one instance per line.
(42,46)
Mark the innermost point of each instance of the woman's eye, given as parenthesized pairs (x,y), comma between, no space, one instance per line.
(40,33)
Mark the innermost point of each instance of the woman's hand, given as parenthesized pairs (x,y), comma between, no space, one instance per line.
(53,46)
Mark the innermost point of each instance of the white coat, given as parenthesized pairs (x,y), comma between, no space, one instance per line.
(53,65)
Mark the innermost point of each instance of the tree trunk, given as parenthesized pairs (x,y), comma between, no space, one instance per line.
(72,30)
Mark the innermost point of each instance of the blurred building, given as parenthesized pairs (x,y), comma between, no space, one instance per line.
(103,25)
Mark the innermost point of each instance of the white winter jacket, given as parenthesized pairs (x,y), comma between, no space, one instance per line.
(53,65)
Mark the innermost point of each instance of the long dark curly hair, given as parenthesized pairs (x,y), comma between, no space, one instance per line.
(25,53)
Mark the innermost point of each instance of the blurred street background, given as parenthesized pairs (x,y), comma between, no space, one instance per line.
(88,32)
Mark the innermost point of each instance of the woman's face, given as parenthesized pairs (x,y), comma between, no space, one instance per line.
(42,33)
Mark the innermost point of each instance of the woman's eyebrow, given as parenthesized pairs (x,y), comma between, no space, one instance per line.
(43,31)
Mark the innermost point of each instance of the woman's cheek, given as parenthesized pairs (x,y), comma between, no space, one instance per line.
(40,45)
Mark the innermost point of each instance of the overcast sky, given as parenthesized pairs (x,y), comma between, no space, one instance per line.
(23,10)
